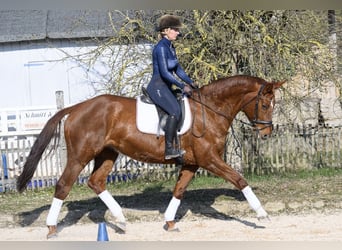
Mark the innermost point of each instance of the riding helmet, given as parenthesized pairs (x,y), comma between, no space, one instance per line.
(168,21)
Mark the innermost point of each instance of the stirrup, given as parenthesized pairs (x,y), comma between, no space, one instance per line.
(179,149)
(178,153)
(173,153)
(171,156)
(181,152)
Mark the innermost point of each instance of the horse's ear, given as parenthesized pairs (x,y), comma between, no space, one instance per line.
(277,85)
(270,87)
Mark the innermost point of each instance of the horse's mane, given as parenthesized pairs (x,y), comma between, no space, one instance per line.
(233,81)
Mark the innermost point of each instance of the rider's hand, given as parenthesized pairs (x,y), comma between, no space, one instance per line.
(187,90)
(194,85)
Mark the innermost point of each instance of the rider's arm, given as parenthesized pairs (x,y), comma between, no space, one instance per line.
(182,75)
(163,68)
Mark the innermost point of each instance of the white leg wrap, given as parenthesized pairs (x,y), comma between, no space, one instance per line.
(171,210)
(251,198)
(55,208)
(112,205)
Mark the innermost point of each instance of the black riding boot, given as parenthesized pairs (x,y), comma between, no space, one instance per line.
(170,131)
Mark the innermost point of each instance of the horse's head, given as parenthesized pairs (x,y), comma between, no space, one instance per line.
(259,109)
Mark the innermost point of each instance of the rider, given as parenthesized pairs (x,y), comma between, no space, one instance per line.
(165,67)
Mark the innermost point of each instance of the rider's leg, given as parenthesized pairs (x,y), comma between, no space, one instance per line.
(170,131)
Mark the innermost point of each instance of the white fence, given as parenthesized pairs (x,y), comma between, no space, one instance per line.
(15,151)
(290,148)
(13,157)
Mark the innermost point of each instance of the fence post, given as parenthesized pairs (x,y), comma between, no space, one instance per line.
(60,105)
(4,164)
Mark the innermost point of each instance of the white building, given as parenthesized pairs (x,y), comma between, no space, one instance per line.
(36,49)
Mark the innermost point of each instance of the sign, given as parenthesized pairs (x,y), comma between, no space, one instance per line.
(18,121)
(34,119)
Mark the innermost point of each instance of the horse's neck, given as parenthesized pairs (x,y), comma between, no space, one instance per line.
(226,100)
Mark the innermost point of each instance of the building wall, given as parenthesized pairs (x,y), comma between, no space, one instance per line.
(32,73)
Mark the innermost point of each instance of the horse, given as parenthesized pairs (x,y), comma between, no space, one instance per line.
(104,126)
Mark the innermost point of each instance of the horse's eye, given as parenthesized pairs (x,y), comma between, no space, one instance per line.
(264,106)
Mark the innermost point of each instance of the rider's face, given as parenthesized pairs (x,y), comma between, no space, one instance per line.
(172,33)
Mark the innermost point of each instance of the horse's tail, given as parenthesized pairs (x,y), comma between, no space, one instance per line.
(39,146)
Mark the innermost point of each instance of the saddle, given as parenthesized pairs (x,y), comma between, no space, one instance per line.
(152,119)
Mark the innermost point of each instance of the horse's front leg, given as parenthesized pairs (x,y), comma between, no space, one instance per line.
(185,176)
(220,168)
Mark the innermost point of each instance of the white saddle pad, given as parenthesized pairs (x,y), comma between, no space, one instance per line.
(147,118)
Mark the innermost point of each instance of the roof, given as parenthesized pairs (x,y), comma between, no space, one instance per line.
(28,25)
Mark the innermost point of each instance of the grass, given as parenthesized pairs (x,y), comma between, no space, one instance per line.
(301,174)
(322,183)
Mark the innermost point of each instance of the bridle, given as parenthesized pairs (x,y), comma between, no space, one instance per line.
(252,123)
(255,120)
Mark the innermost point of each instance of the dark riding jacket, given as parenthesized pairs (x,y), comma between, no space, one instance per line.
(165,67)
(165,63)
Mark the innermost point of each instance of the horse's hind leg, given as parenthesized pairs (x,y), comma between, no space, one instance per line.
(185,176)
(97,181)
(62,189)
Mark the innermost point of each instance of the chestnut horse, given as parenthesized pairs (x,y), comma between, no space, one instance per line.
(104,126)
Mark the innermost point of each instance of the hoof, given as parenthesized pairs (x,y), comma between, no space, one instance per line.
(170,226)
(261,213)
(121,226)
(264,218)
(118,227)
(52,232)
